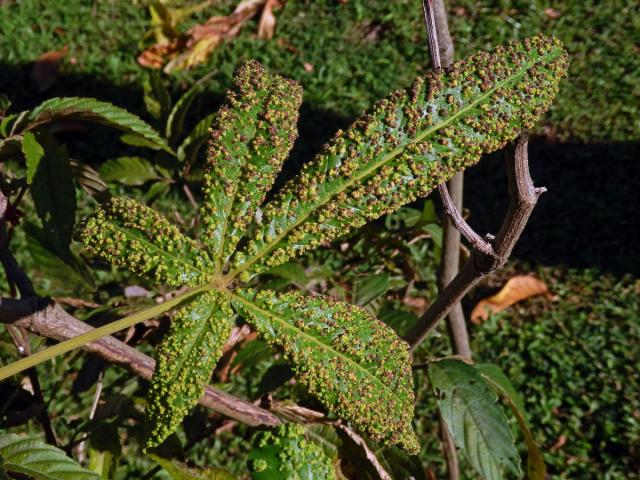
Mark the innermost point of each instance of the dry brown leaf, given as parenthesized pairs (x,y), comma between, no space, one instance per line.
(267,24)
(45,68)
(551,12)
(516,289)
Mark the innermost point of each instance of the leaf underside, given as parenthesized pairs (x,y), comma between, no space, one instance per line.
(474,419)
(32,457)
(407,145)
(251,136)
(127,234)
(185,361)
(353,363)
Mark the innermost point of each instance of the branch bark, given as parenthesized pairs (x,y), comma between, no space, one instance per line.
(523,198)
(46,318)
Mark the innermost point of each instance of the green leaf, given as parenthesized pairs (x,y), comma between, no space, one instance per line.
(476,423)
(493,375)
(92,110)
(185,362)
(180,471)
(32,457)
(192,142)
(407,145)
(252,134)
(286,454)
(175,121)
(54,196)
(33,153)
(349,360)
(400,465)
(128,234)
(156,96)
(136,140)
(70,270)
(128,171)
(370,287)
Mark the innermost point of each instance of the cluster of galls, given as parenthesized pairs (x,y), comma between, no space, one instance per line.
(250,139)
(185,360)
(407,145)
(353,363)
(127,234)
(285,452)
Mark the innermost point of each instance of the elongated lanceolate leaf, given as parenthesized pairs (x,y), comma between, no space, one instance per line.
(33,153)
(353,363)
(92,110)
(32,457)
(252,135)
(474,418)
(54,196)
(407,145)
(185,362)
(128,234)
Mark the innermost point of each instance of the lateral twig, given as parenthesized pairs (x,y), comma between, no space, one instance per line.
(523,198)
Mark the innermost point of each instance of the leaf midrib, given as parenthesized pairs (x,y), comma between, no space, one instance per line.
(313,339)
(392,154)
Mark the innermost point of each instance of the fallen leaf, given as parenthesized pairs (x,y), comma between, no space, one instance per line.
(308,67)
(551,12)
(560,442)
(180,52)
(45,68)
(516,289)
(267,24)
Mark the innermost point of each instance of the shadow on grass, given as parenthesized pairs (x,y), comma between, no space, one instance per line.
(587,218)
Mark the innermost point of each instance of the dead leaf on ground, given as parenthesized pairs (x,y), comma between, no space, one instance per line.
(551,12)
(45,68)
(518,288)
(267,24)
(179,52)
(560,442)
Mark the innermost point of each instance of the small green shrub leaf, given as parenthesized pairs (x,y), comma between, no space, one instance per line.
(493,375)
(252,135)
(92,110)
(285,453)
(128,234)
(33,153)
(185,362)
(54,196)
(407,145)
(474,419)
(128,171)
(349,360)
(32,457)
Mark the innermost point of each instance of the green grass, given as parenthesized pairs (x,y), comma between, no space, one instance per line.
(359,51)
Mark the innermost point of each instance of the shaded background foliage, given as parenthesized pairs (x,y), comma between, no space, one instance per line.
(571,356)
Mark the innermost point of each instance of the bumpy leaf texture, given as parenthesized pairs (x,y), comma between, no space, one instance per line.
(252,135)
(407,145)
(128,234)
(352,362)
(185,362)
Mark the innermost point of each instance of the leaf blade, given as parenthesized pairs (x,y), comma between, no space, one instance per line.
(406,145)
(185,361)
(318,336)
(92,110)
(128,234)
(251,136)
(31,456)
(476,423)
(33,153)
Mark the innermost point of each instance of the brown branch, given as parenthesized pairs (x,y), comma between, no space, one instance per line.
(47,319)
(523,198)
